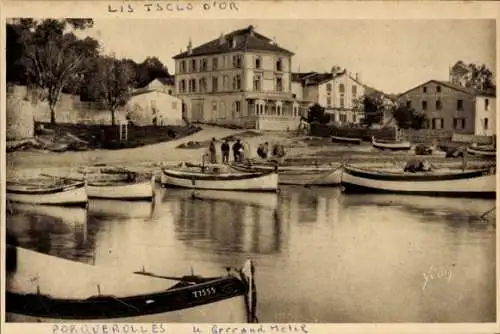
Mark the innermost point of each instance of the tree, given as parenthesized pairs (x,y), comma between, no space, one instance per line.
(54,57)
(473,76)
(317,114)
(110,83)
(373,107)
(408,118)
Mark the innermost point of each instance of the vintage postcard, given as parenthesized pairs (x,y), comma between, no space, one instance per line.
(249,167)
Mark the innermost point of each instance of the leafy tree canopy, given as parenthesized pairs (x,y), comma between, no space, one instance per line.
(317,114)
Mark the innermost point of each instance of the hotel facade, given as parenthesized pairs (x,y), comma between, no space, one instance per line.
(242,78)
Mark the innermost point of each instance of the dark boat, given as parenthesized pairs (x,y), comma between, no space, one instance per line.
(94,294)
(346,140)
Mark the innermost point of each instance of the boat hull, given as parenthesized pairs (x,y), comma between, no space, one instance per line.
(346,140)
(128,191)
(231,310)
(299,175)
(73,195)
(228,181)
(394,146)
(480,152)
(469,184)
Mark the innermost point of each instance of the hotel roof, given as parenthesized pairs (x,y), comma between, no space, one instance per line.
(239,40)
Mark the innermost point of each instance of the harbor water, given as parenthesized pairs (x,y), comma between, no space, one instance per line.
(320,255)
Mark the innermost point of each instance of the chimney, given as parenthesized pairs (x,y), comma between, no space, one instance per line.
(221,39)
(251,30)
(233,42)
(190,47)
(358,77)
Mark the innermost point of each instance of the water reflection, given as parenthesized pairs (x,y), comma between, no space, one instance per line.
(54,230)
(226,222)
(320,256)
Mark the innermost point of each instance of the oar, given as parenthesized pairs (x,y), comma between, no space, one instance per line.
(487,212)
(62,177)
(190,278)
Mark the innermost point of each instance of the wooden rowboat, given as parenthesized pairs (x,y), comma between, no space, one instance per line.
(62,192)
(296,175)
(485,151)
(391,145)
(346,140)
(91,294)
(121,189)
(475,183)
(220,180)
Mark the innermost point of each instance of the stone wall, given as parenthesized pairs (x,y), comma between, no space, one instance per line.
(19,115)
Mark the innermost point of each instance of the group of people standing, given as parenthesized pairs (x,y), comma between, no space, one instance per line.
(239,151)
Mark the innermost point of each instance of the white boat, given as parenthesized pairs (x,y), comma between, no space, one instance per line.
(391,145)
(485,151)
(77,292)
(475,183)
(62,192)
(346,140)
(121,190)
(268,200)
(214,179)
(296,175)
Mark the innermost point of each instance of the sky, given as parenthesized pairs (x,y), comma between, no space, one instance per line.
(390,55)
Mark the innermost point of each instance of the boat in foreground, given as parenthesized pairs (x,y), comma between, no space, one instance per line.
(346,140)
(474,183)
(485,151)
(216,178)
(295,175)
(391,145)
(133,189)
(48,192)
(91,294)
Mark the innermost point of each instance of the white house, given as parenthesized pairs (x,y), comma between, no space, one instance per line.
(337,92)
(485,116)
(165,84)
(154,107)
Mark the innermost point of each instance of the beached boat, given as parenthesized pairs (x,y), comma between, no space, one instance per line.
(295,175)
(121,189)
(391,144)
(91,294)
(210,178)
(62,192)
(346,140)
(474,183)
(485,151)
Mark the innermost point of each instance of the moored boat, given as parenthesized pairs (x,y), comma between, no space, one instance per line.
(485,151)
(61,192)
(474,183)
(346,140)
(216,179)
(93,295)
(391,145)
(121,189)
(324,175)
